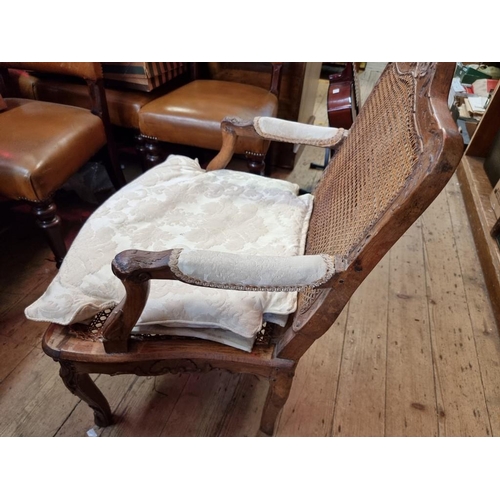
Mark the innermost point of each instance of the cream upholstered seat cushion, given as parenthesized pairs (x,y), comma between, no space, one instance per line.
(179,205)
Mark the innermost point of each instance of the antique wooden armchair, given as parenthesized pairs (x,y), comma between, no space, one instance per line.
(43,144)
(398,156)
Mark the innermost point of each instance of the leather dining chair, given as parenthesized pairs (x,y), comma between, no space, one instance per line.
(191,115)
(193,270)
(42,144)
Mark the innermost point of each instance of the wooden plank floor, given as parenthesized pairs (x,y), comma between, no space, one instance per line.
(415,353)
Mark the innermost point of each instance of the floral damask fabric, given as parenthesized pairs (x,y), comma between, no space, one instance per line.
(179,205)
(251,272)
(277,129)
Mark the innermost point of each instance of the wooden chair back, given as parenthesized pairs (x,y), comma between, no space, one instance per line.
(234,71)
(86,70)
(399,154)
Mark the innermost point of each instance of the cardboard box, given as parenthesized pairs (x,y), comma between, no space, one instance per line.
(144,76)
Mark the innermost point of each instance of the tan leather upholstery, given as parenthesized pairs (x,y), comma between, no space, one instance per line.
(192,114)
(123,105)
(42,145)
(88,70)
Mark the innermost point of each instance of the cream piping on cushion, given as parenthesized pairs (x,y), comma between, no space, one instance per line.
(297,133)
(251,272)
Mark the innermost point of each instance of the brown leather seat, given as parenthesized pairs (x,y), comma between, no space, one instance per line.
(44,144)
(123,105)
(192,114)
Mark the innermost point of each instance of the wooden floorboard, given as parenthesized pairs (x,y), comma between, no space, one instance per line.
(461,398)
(415,353)
(208,396)
(360,405)
(143,410)
(310,407)
(242,418)
(481,314)
(411,408)
(33,400)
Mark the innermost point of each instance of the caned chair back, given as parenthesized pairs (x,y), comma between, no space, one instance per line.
(399,154)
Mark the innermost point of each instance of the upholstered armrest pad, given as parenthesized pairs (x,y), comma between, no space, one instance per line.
(276,129)
(251,272)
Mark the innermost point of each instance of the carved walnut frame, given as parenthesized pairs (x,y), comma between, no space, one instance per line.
(119,353)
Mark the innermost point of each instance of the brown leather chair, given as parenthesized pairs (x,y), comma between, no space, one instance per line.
(191,115)
(43,144)
(123,104)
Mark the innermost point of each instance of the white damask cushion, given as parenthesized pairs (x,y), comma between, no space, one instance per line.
(179,205)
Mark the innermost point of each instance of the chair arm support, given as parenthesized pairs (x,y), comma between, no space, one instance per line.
(227,270)
(276,129)
(273,129)
(231,129)
(134,268)
(209,269)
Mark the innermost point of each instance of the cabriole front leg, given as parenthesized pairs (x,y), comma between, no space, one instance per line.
(81,385)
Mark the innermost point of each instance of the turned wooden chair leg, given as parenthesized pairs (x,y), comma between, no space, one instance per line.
(152,152)
(141,150)
(81,385)
(279,389)
(255,162)
(47,218)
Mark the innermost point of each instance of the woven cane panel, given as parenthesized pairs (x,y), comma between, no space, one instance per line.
(367,173)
